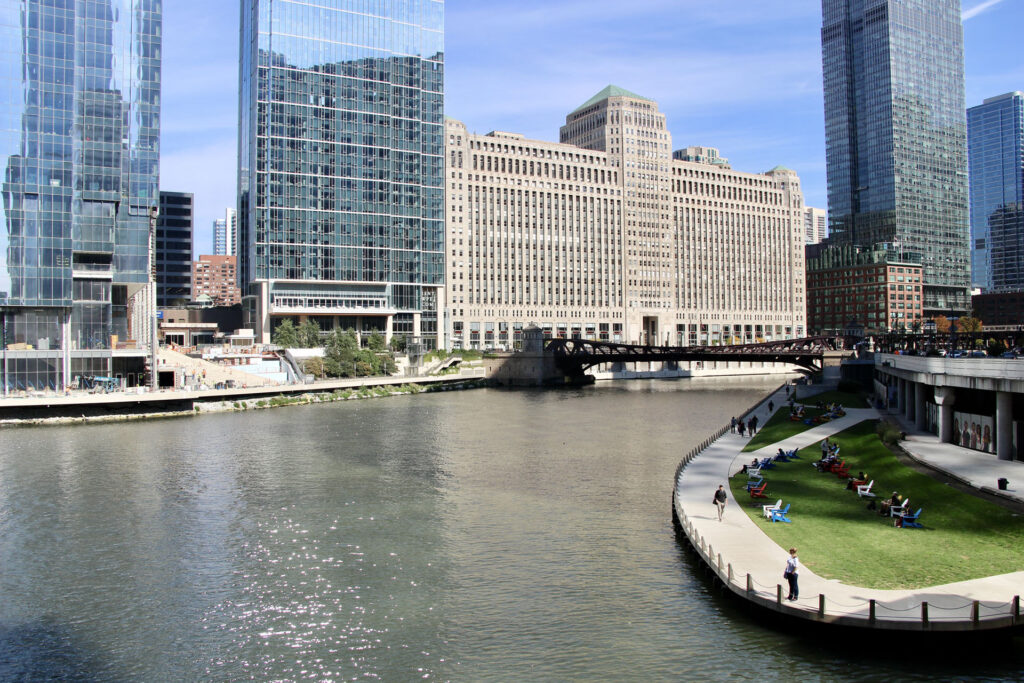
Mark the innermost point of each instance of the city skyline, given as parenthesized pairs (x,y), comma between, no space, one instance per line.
(759,98)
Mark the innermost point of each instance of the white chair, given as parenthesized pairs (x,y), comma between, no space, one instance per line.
(753,472)
(865,491)
(766,510)
(900,510)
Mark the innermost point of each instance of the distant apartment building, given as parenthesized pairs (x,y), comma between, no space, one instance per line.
(995,152)
(224,233)
(174,249)
(604,236)
(216,277)
(852,288)
(701,155)
(815,225)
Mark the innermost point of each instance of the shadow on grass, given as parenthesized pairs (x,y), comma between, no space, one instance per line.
(963,538)
(780,427)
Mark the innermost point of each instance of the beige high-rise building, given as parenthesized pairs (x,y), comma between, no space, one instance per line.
(605,236)
(815,225)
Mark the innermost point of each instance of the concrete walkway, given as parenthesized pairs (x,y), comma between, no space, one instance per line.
(974,468)
(737,547)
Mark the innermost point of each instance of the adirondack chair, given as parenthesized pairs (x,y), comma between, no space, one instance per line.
(766,510)
(865,491)
(767,464)
(900,510)
(908,521)
(754,483)
(758,491)
(754,472)
(839,465)
(779,515)
(792,454)
(844,471)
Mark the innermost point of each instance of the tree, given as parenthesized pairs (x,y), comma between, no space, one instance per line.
(398,343)
(309,335)
(340,353)
(376,342)
(285,335)
(314,366)
(968,324)
(942,324)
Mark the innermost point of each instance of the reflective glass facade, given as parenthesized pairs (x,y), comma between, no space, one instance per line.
(896,136)
(341,156)
(995,138)
(79,146)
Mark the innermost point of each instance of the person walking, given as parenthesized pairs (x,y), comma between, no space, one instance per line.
(754,421)
(720,499)
(741,427)
(732,425)
(792,569)
(771,406)
(750,427)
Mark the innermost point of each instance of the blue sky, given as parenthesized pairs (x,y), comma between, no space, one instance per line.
(740,75)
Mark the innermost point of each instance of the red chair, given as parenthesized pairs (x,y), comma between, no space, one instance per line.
(758,491)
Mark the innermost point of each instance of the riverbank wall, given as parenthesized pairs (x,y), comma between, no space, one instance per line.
(82,407)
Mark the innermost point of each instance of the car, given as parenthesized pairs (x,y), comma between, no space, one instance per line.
(1008,354)
(978,354)
(957,354)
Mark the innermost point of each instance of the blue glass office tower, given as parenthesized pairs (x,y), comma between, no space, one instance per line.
(341,164)
(896,136)
(79,147)
(995,153)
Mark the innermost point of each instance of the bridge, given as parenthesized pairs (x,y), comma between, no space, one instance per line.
(574,356)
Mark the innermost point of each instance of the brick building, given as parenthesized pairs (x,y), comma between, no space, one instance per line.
(216,277)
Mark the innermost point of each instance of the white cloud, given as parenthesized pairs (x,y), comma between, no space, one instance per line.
(978,9)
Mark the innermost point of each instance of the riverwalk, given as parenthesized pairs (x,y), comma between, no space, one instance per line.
(750,564)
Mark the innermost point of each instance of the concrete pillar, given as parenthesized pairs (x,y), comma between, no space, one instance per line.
(920,408)
(1004,425)
(389,328)
(945,397)
(909,400)
(900,397)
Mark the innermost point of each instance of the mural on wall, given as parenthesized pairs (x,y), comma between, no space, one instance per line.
(976,432)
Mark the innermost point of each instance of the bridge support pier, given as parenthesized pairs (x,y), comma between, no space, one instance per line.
(945,397)
(920,411)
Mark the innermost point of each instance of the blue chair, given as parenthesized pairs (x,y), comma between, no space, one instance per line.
(754,484)
(911,520)
(767,464)
(792,455)
(780,515)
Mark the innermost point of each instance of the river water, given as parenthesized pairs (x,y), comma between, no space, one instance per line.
(485,535)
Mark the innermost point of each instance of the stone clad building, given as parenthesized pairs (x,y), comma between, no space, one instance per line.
(605,236)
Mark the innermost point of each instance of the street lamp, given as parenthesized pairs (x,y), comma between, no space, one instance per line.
(154,373)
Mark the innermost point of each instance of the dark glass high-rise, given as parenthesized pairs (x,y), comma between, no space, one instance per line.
(896,136)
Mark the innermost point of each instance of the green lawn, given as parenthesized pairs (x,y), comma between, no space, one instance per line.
(963,537)
(779,427)
(841,397)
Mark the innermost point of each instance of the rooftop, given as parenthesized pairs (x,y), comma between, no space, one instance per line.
(610,91)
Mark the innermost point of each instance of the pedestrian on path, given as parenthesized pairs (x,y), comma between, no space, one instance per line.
(740,426)
(750,427)
(732,425)
(754,421)
(719,500)
(792,567)
(771,406)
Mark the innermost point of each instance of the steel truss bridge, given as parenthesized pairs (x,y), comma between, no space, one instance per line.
(574,356)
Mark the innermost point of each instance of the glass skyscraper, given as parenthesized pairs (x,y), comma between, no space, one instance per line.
(896,136)
(341,211)
(79,146)
(995,140)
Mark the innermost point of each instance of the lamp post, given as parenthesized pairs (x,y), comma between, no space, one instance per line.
(154,373)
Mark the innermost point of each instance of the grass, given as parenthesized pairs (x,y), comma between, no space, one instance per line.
(779,427)
(963,537)
(841,397)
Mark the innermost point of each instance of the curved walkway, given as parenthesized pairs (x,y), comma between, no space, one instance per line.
(751,564)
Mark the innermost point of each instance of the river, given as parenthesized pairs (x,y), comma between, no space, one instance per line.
(485,535)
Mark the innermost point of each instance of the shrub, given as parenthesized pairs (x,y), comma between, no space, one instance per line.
(888,432)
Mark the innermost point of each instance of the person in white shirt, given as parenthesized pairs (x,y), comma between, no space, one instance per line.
(792,567)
